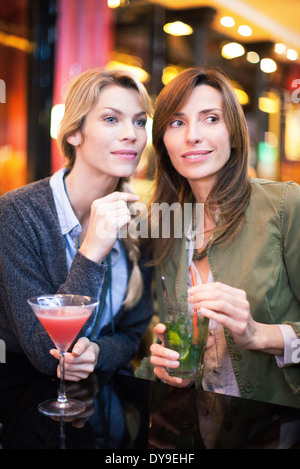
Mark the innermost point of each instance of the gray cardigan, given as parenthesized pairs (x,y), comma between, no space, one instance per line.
(33,262)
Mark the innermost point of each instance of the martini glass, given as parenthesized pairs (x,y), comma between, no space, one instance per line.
(63,317)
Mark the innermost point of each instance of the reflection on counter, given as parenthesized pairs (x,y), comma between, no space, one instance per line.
(124,412)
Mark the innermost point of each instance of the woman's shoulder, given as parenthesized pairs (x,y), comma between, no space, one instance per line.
(274,199)
(273,189)
(269,183)
(32,201)
(34,191)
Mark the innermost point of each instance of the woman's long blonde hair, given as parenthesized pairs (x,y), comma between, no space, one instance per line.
(231,191)
(83,93)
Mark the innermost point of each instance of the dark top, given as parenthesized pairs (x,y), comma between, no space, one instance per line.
(33,262)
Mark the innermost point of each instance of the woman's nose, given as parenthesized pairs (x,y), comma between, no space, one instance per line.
(128,132)
(194,135)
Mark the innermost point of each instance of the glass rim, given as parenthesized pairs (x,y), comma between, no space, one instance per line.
(52,296)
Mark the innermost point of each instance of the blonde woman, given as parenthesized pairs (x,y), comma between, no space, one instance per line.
(61,234)
(248,266)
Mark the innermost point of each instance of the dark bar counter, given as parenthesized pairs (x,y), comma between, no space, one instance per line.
(126,414)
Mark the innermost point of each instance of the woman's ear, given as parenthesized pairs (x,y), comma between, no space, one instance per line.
(74,139)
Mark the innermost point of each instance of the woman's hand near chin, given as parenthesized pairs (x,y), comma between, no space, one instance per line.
(108,215)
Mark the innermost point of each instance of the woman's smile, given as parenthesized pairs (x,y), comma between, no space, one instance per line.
(125,154)
(196,156)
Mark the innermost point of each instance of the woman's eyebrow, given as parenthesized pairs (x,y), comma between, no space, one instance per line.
(203,111)
(207,111)
(118,111)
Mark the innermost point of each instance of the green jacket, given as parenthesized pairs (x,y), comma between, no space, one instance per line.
(263,260)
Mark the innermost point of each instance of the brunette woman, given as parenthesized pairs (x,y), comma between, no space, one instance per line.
(248,282)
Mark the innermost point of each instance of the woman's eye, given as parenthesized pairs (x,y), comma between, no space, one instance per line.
(110,119)
(141,122)
(176,123)
(212,119)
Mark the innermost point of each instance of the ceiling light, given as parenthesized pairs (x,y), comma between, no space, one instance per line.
(253,57)
(245,30)
(227,21)
(280,48)
(268,65)
(141,74)
(113,3)
(292,54)
(178,28)
(232,50)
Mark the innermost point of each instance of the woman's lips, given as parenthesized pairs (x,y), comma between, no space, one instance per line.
(195,156)
(125,154)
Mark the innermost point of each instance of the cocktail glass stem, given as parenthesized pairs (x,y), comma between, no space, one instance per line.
(62,397)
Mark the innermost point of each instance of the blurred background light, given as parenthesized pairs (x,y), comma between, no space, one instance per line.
(128,62)
(141,74)
(57,113)
(113,3)
(245,30)
(16,42)
(232,50)
(268,65)
(269,103)
(253,57)
(242,96)
(292,54)
(169,73)
(280,48)
(178,28)
(227,21)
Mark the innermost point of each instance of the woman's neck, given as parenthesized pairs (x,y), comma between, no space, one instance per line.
(83,189)
(201,189)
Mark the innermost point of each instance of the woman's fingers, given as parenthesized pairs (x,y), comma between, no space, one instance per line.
(116,196)
(163,356)
(108,216)
(221,298)
(229,307)
(82,344)
(79,363)
(160,330)
(215,290)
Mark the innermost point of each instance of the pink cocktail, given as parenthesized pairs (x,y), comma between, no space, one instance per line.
(63,325)
(62,316)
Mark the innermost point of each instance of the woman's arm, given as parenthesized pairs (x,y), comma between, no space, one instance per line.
(32,262)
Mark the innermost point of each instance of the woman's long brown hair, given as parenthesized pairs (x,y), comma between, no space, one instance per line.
(231,191)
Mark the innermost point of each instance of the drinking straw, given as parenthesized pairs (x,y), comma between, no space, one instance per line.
(195,322)
(167,299)
(168,302)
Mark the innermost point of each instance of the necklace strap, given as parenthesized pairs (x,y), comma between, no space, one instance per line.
(106,287)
